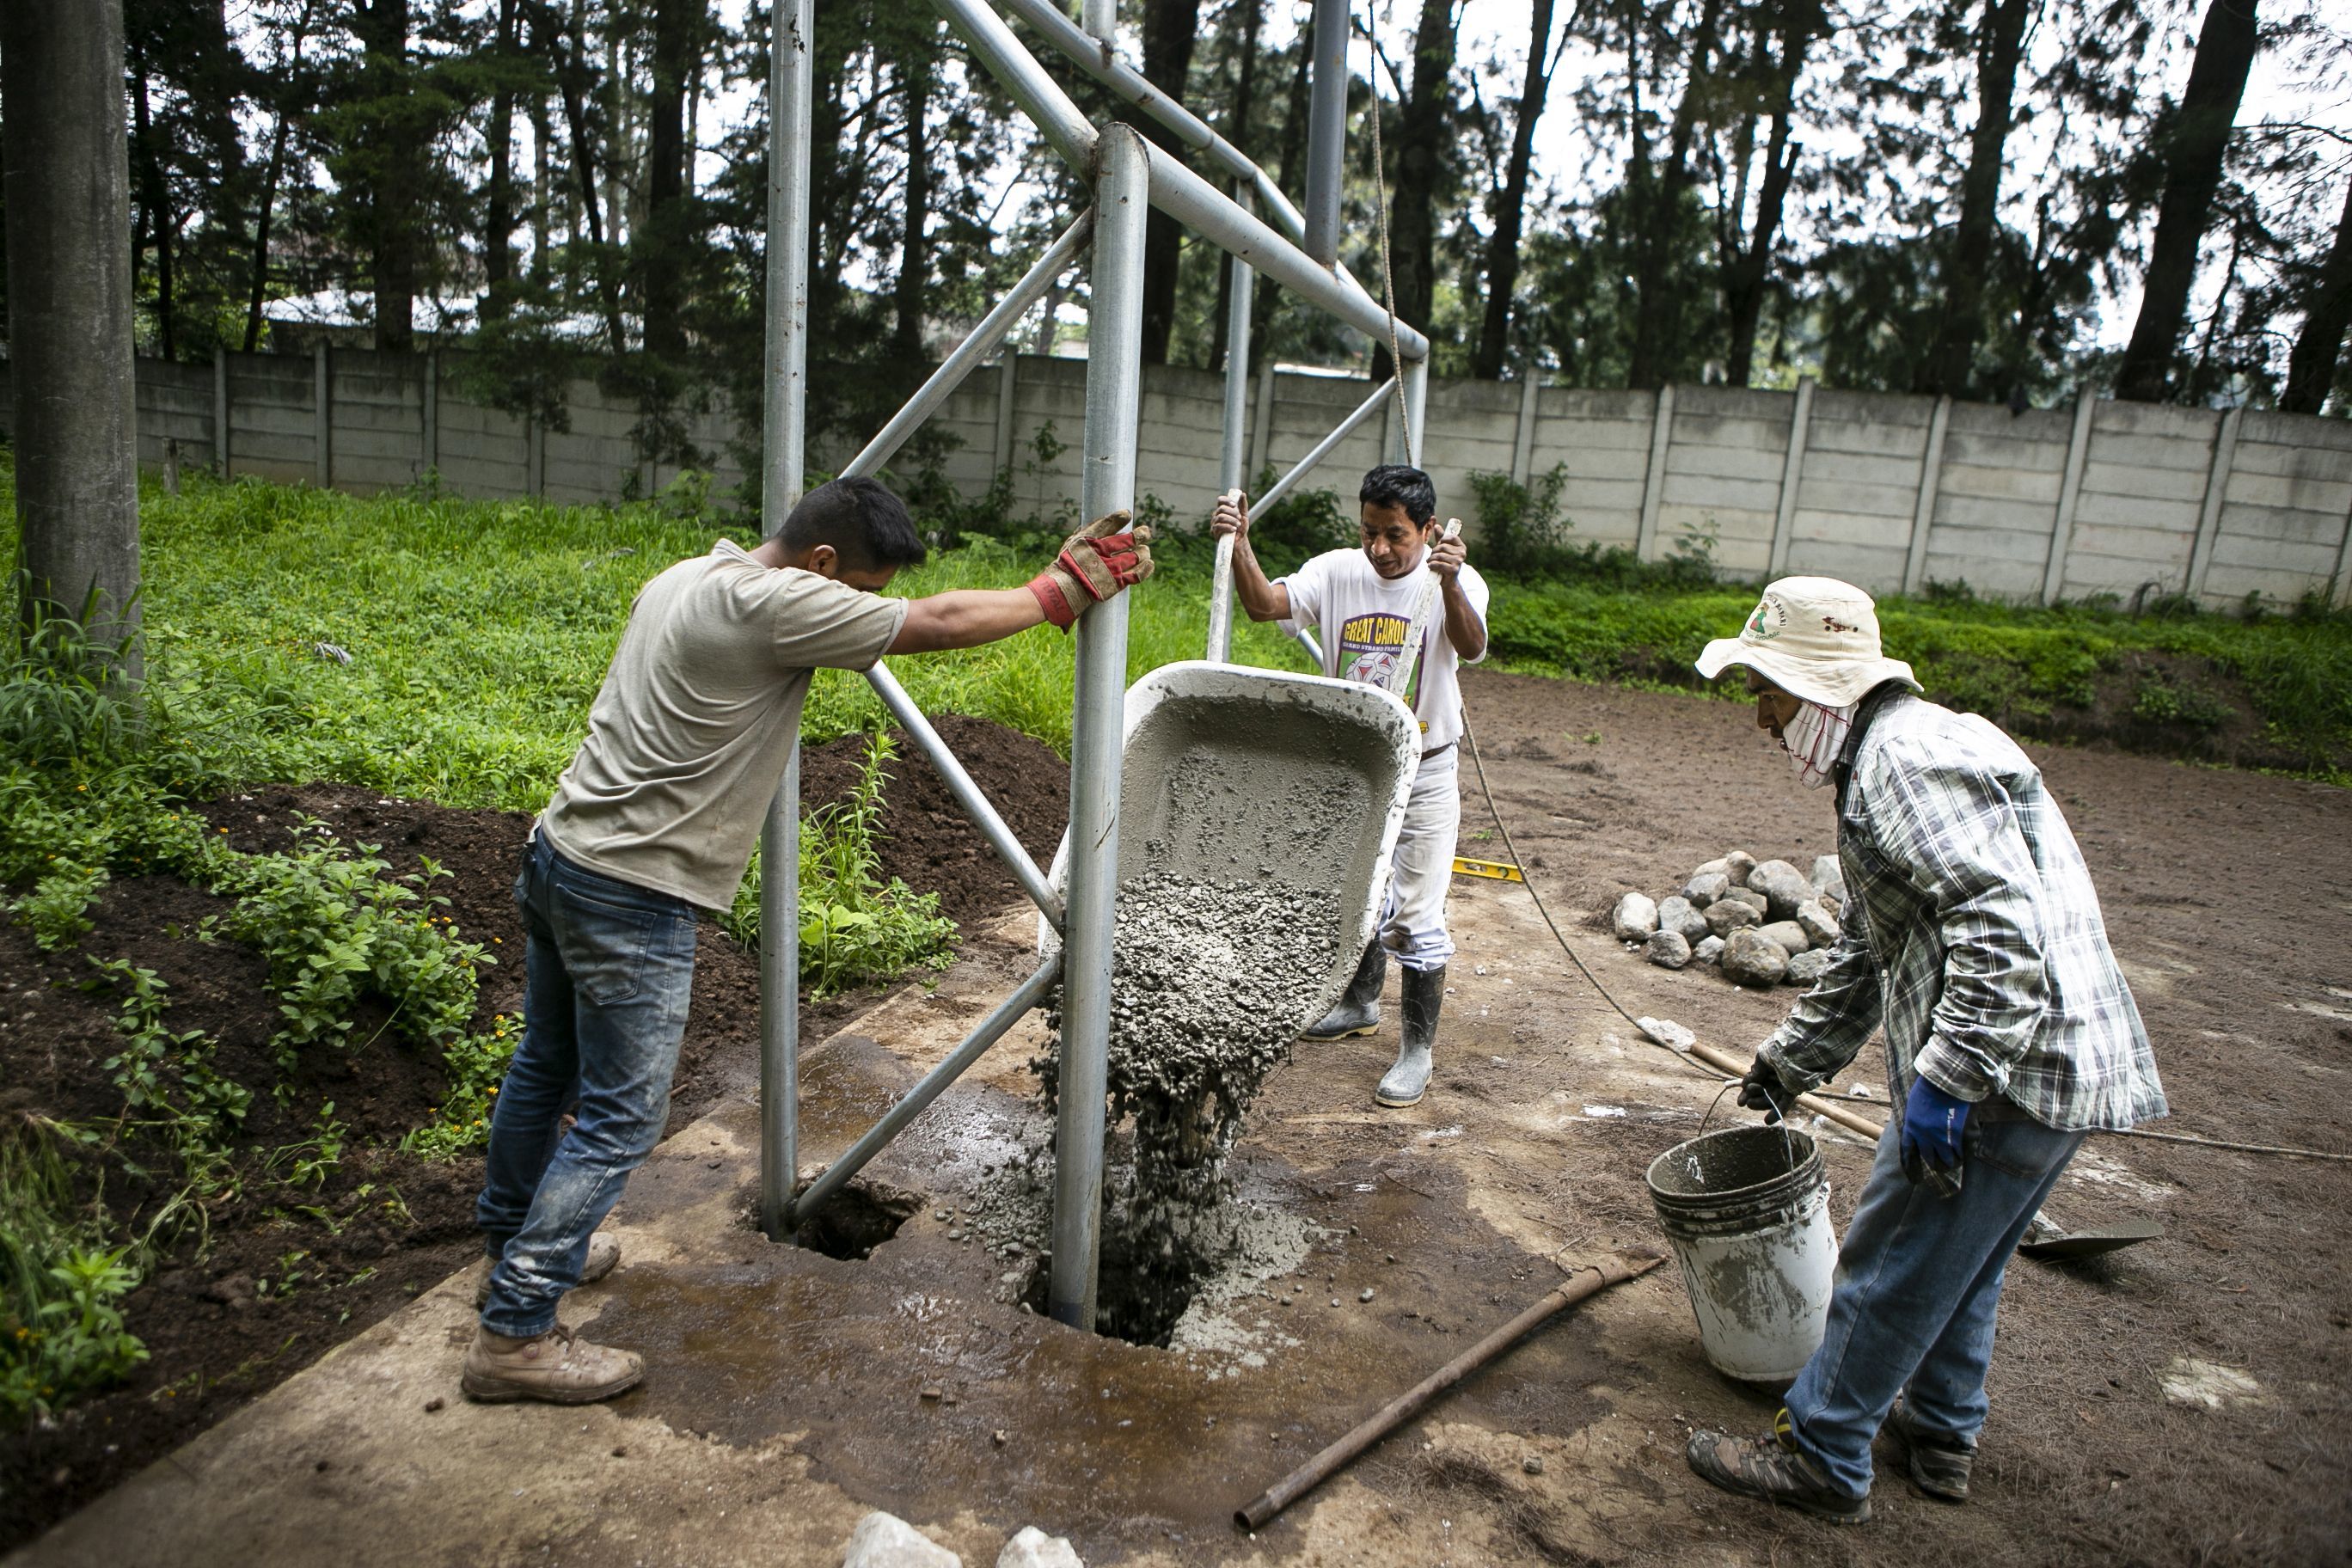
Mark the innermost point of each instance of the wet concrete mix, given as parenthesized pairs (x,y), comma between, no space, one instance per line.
(1205,1002)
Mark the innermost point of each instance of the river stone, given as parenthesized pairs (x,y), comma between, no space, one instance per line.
(885,1541)
(1784,887)
(1829,875)
(1705,887)
(1808,966)
(1668,950)
(1729,916)
(1708,951)
(1677,914)
(1789,934)
(1033,1548)
(1751,898)
(1634,918)
(1753,959)
(1820,926)
(1737,865)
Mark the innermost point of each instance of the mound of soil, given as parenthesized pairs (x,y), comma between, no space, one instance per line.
(279,1275)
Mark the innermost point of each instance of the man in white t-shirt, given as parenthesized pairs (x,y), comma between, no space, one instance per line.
(657,818)
(1401,613)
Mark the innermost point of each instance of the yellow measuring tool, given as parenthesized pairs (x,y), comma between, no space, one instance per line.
(1495,869)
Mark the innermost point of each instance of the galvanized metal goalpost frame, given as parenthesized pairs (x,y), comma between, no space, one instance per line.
(1130,176)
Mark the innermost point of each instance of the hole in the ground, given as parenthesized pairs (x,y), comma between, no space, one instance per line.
(859,1218)
(1137,1298)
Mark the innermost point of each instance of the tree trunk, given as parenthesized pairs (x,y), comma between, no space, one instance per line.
(498,216)
(1658,306)
(1293,153)
(67,196)
(1503,247)
(154,211)
(1413,213)
(1745,278)
(575,87)
(382,28)
(290,80)
(1253,14)
(1169,27)
(662,247)
(2327,315)
(914,252)
(2193,147)
(2000,41)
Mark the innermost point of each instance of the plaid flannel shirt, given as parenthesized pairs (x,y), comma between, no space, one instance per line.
(1972,929)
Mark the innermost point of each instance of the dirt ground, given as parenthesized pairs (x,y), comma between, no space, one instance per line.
(811,1387)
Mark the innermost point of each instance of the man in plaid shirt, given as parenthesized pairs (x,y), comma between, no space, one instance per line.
(1972,933)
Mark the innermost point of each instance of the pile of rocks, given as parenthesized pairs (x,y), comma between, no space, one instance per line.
(1762,923)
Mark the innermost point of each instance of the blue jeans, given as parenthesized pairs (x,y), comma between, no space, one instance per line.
(1911,1308)
(609,971)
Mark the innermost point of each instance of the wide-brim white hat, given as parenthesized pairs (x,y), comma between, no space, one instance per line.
(1813,637)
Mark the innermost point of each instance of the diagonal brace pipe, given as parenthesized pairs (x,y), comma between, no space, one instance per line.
(982,339)
(967,792)
(986,1033)
(1324,448)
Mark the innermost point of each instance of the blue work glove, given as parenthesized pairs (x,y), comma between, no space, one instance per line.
(1932,1122)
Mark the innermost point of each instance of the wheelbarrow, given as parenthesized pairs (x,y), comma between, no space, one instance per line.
(1234,772)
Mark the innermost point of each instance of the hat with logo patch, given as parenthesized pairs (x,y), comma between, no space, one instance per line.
(1813,637)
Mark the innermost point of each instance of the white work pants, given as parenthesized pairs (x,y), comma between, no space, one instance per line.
(1412,925)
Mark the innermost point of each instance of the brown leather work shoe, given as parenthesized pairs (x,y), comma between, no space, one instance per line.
(1939,1465)
(555,1366)
(1772,1468)
(604,1257)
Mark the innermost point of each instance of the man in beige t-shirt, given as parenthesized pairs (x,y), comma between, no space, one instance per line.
(655,819)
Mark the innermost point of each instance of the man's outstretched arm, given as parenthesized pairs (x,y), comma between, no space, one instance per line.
(1101,559)
(966,617)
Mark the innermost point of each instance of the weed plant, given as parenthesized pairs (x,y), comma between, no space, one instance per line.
(62,1275)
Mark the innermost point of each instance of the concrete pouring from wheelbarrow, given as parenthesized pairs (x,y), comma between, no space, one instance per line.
(790,1392)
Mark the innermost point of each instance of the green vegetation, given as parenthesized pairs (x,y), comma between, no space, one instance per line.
(61,1329)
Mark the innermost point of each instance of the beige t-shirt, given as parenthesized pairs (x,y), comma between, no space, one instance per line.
(689,736)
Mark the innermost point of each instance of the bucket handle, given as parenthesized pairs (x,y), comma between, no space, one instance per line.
(1728,1085)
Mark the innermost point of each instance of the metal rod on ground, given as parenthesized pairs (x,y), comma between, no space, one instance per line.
(1323,449)
(1326,131)
(977,346)
(1235,453)
(1114,365)
(1590,1279)
(986,1033)
(967,795)
(783,409)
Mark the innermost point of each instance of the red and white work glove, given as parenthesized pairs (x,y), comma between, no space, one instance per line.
(1104,558)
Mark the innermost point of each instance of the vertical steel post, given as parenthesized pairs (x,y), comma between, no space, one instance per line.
(1416,411)
(1100,19)
(783,408)
(1114,381)
(1235,453)
(1327,131)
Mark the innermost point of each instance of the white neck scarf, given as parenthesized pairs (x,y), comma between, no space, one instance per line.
(1814,738)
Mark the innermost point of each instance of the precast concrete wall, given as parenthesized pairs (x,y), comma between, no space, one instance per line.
(1887,491)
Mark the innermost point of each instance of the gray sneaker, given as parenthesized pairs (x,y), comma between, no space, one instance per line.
(556,1367)
(604,1257)
(1772,1468)
(1939,1465)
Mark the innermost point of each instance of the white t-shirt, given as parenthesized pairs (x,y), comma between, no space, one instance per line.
(1362,620)
(687,738)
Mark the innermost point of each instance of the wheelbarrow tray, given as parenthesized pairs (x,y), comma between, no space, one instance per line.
(1232,773)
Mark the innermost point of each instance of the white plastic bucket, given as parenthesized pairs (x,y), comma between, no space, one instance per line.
(1747,1210)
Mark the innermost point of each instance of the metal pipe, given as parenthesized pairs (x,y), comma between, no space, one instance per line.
(1416,410)
(1613,1268)
(1326,131)
(1323,449)
(1234,454)
(1114,388)
(1306,639)
(1018,72)
(1102,21)
(985,1034)
(1179,192)
(782,418)
(1210,213)
(977,346)
(968,794)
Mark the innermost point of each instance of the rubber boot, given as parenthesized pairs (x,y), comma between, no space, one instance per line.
(1359,1012)
(1407,1080)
